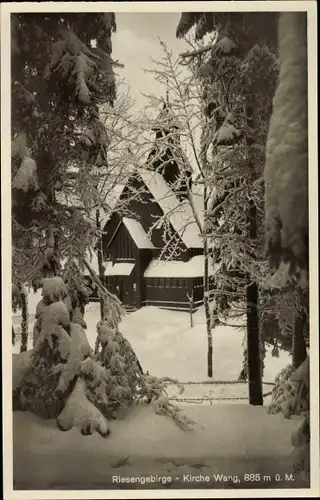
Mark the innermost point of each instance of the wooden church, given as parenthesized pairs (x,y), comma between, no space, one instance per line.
(153,253)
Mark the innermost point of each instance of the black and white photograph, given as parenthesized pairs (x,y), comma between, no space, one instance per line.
(159,249)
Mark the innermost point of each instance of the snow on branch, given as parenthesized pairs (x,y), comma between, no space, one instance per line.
(196,52)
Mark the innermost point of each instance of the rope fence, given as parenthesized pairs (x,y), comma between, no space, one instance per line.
(219,382)
(206,398)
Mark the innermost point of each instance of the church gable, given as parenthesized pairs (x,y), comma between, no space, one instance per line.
(144,207)
(154,204)
(158,216)
(121,245)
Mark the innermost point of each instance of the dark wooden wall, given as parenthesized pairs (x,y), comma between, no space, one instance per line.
(122,287)
(159,292)
(173,292)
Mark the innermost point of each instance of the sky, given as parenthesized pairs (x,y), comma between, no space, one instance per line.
(136,40)
(134,43)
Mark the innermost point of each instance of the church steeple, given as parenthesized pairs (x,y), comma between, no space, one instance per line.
(166,156)
(167,123)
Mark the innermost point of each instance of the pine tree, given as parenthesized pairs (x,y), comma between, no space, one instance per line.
(20,301)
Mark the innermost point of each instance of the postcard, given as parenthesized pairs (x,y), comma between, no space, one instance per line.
(159,249)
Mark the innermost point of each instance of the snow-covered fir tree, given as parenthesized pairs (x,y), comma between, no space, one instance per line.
(240,76)
(287,232)
(249,51)
(60,81)
(238,73)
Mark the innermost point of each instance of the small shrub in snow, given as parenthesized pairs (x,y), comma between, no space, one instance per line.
(301,443)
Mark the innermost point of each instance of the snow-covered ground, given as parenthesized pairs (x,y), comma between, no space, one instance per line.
(166,345)
(226,439)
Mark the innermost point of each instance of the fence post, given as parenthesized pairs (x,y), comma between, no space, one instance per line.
(191,307)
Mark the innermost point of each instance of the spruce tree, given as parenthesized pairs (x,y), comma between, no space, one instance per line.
(284,312)
(60,81)
(239,75)
(58,84)
(287,229)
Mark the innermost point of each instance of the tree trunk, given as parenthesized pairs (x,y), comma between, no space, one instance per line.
(253,334)
(253,315)
(24,320)
(101,273)
(206,295)
(299,350)
(100,261)
(205,142)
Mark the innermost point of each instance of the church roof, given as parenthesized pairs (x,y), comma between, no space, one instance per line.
(137,233)
(193,268)
(119,268)
(179,213)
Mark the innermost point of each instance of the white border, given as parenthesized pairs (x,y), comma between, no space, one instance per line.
(6,10)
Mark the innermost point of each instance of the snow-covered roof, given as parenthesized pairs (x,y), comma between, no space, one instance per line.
(137,233)
(197,199)
(194,268)
(112,195)
(179,213)
(118,269)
